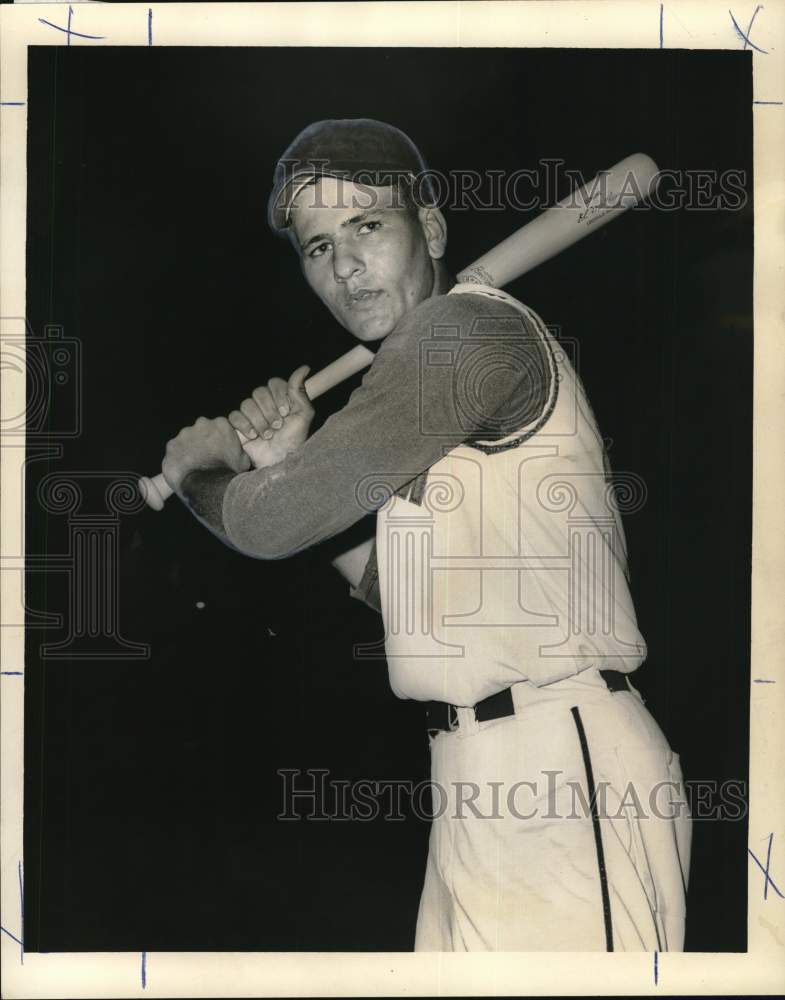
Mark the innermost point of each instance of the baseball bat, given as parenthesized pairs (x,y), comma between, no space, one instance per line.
(582,212)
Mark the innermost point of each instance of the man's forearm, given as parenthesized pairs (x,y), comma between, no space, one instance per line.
(203,493)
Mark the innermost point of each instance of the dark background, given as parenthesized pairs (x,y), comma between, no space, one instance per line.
(151,791)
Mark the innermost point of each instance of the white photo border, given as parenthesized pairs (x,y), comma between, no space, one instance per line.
(638,24)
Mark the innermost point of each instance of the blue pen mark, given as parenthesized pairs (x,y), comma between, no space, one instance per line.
(662,10)
(21,912)
(76,34)
(768,863)
(768,880)
(12,936)
(763,680)
(19,940)
(149,25)
(144,970)
(11,673)
(656,968)
(780,103)
(12,104)
(746,37)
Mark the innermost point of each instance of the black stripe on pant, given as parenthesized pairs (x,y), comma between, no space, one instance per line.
(595,819)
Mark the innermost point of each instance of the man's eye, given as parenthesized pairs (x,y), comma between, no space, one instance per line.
(319,250)
(369,227)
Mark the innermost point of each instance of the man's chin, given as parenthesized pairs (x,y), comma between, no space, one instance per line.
(371,330)
(368,338)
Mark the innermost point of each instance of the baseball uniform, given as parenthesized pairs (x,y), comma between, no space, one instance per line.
(508,574)
(500,570)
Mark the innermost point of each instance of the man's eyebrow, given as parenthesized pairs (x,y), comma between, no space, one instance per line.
(314,239)
(361,217)
(355,219)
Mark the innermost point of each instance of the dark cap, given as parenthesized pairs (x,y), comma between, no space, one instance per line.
(353,148)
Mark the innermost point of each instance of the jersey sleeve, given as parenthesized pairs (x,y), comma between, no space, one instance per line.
(453,366)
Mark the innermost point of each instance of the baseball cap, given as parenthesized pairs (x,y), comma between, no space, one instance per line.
(362,149)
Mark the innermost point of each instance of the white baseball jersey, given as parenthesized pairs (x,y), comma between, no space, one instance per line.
(513,566)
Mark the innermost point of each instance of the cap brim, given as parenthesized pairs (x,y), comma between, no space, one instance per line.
(281,199)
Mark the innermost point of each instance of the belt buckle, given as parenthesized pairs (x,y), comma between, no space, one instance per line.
(441,717)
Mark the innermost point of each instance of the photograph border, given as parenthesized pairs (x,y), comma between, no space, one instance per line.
(699,24)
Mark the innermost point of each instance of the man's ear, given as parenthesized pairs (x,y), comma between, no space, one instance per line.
(435,229)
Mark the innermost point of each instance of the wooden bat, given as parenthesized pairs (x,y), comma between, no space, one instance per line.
(569,220)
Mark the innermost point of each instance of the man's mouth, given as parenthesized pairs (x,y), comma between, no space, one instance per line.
(363,297)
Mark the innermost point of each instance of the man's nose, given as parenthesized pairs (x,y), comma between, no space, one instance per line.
(347,262)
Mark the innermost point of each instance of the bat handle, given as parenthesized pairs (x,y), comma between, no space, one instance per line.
(156,491)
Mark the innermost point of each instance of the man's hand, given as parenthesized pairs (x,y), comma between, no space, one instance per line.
(208,444)
(276,418)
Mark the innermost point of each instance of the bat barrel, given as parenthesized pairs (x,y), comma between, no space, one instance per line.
(581,213)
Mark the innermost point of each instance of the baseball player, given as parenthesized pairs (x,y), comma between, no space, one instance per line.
(498,563)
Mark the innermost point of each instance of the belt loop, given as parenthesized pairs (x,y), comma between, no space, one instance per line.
(518,692)
(467,721)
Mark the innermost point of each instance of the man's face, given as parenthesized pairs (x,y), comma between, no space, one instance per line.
(367,257)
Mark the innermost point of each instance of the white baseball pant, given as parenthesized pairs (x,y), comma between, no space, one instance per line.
(520,857)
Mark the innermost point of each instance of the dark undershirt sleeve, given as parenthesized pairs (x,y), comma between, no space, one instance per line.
(203,492)
(367,590)
(418,400)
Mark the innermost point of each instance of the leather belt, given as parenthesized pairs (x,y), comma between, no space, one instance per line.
(443,716)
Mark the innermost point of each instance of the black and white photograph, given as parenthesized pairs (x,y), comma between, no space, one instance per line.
(386,484)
